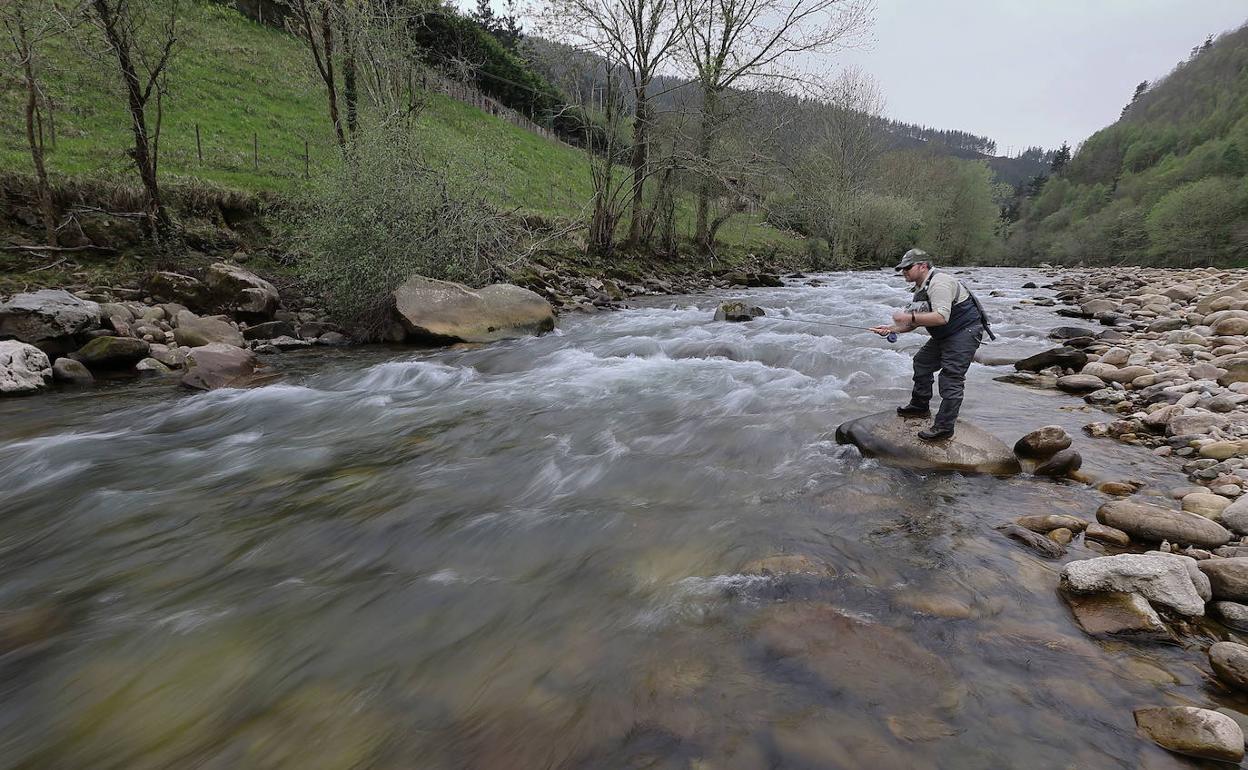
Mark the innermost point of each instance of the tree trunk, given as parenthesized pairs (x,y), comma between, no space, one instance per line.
(641,149)
(349,91)
(44,191)
(136,100)
(706,141)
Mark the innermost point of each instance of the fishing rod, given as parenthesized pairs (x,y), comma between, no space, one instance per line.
(891,337)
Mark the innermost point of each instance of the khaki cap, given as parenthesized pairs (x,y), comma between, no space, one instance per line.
(913,257)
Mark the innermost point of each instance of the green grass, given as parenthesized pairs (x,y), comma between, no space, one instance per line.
(252,89)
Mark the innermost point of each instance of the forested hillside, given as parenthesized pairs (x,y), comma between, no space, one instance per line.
(1166,184)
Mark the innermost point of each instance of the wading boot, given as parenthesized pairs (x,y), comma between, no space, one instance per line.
(935,433)
(910,410)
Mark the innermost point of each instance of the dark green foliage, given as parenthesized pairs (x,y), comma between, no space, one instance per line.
(1163,185)
(450,40)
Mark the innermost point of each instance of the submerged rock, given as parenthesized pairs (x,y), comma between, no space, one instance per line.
(1041,544)
(1115,613)
(442,311)
(1047,522)
(893,439)
(1193,731)
(73,372)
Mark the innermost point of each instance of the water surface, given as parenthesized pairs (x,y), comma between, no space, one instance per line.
(532,555)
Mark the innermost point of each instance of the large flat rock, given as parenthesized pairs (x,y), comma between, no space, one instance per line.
(893,439)
(442,311)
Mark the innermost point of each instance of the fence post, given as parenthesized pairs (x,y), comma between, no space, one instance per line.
(255,150)
(199,147)
(307,172)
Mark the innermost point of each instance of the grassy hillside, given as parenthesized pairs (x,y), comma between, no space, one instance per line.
(250,91)
(1167,183)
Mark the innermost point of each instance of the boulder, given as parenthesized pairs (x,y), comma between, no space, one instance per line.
(71,372)
(1235,516)
(1236,371)
(1164,580)
(1229,661)
(737,312)
(333,339)
(1070,332)
(1231,326)
(1065,357)
(112,352)
(441,311)
(1079,383)
(891,438)
(236,290)
(1193,731)
(194,331)
(1154,523)
(1237,292)
(217,365)
(174,358)
(1228,578)
(270,329)
(1194,422)
(1205,504)
(1061,464)
(23,368)
(1116,613)
(1233,614)
(175,287)
(1043,442)
(47,314)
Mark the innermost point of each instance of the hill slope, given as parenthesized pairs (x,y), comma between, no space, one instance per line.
(248,91)
(1166,183)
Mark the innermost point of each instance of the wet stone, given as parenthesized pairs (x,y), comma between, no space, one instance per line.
(1048,522)
(1108,535)
(1116,614)
(1229,661)
(1193,731)
(1033,540)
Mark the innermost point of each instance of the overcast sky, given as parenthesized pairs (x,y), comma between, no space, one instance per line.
(1024,72)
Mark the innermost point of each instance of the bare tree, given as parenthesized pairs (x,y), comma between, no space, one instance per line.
(314,22)
(142,36)
(737,43)
(641,35)
(844,149)
(29,24)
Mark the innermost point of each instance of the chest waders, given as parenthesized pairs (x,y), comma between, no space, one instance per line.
(950,352)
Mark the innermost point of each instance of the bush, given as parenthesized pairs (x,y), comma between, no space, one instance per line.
(1195,223)
(366,226)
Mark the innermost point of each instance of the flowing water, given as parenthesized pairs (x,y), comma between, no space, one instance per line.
(533,555)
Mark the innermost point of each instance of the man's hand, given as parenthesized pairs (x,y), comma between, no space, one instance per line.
(904,318)
(883,330)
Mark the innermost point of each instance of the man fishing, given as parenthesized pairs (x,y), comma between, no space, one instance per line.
(956,322)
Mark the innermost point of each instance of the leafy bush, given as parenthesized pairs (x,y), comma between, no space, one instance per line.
(1197,221)
(369,224)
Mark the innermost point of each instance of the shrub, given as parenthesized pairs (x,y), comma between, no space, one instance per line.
(369,224)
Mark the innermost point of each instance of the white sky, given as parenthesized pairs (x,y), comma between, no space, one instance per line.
(1021,72)
(1024,72)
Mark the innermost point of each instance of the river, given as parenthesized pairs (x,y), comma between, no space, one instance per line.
(532,554)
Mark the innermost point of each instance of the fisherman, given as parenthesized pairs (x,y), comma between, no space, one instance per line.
(956,322)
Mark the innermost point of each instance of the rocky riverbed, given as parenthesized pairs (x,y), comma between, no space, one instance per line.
(643,512)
